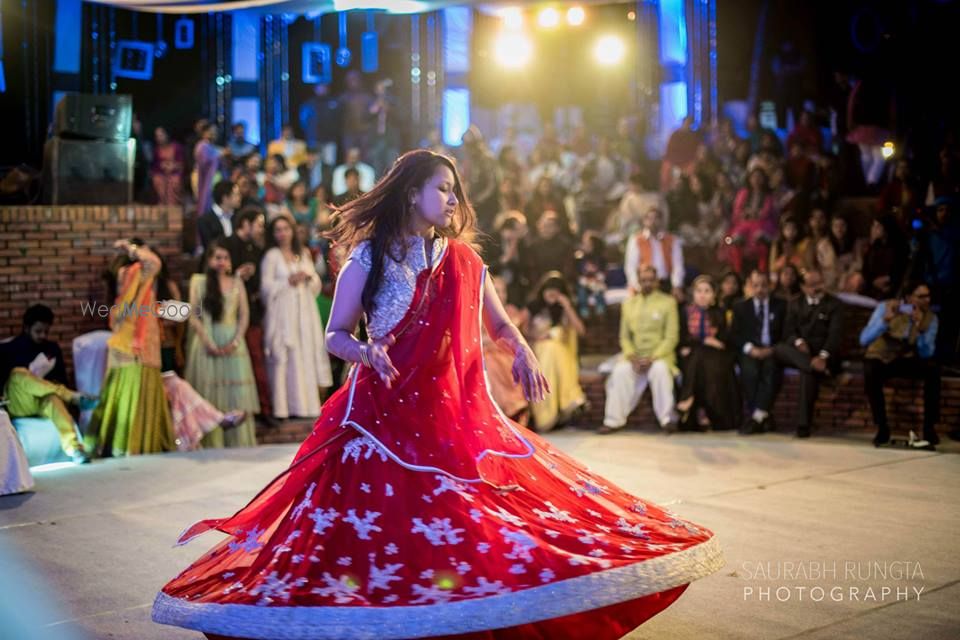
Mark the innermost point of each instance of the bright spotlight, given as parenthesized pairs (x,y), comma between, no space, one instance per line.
(576,16)
(888,150)
(512,50)
(512,17)
(609,50)
(548,18)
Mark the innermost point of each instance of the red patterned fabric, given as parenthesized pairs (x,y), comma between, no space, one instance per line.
(421,510)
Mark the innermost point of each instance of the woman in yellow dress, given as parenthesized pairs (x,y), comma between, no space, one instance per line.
(133,416)
(553,330)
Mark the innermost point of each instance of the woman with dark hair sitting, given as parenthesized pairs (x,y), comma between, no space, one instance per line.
(553,328)
(885,260)
(709,382)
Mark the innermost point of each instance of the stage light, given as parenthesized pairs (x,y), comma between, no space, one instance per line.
(609,50)
(631,15)
(548,18)
(513,50)
(576,16)
(512,17)
(888,150)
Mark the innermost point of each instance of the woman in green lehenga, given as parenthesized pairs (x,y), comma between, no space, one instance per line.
(218,363)
(133,416)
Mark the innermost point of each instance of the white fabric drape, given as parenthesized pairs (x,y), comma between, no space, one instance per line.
(14,469)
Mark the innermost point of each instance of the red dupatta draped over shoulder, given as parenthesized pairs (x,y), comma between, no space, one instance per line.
(438,417)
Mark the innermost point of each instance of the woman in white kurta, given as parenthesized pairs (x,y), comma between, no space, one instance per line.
(297,361)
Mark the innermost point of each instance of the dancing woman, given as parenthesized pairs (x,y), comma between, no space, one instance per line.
(416,508)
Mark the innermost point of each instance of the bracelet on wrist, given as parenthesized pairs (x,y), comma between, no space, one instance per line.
(364,356)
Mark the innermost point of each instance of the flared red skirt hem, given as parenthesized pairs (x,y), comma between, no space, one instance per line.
(585,594)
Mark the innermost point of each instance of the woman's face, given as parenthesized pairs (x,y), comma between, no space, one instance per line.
(838,227)
(272,166)
(776,179)
(282,233)
(790,230)
(253,163)
(160,136)
(695,185)
(729,286)
(877,232)
(298,192)
(320,194)
(788,277)
(818,222)
(303,233)
(543,187)
(703,294)
(551,295)
(220,261)
(757,180)
(436,202)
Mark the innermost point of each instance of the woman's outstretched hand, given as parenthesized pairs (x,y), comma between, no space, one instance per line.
(380,360)
(526,371)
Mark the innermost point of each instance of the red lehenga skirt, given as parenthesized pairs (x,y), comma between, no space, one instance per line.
(422,511)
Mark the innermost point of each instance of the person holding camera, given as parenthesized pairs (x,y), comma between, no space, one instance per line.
(900,339)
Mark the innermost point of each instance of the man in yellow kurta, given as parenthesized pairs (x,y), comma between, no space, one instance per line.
(649,330)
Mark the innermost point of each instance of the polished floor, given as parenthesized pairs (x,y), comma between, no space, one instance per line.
(824,539)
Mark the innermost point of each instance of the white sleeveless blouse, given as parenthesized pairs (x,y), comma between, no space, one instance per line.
(399,280)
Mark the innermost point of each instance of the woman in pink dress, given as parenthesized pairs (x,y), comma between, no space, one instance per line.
(416,508)
(166,172)
(754,223)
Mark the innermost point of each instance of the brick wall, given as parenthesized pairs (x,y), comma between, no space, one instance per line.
(55,255)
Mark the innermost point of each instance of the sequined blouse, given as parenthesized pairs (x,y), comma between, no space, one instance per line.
(399,281)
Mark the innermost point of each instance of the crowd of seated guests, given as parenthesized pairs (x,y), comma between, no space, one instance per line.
(753,218)
(571,226)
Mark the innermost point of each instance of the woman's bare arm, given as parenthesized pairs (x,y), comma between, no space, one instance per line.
(345,314)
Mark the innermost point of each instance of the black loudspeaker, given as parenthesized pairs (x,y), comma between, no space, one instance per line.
(88,171)
(96,117)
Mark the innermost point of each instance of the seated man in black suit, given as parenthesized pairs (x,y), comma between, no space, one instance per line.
(218,222)
(811,339)
(757,327)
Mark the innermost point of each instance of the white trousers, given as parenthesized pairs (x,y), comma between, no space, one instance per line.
(625,387)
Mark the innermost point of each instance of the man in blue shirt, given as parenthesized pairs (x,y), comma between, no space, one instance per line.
(900,339)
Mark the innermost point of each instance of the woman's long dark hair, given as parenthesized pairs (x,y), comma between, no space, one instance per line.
(213,296)
(536,303)
(383,214)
